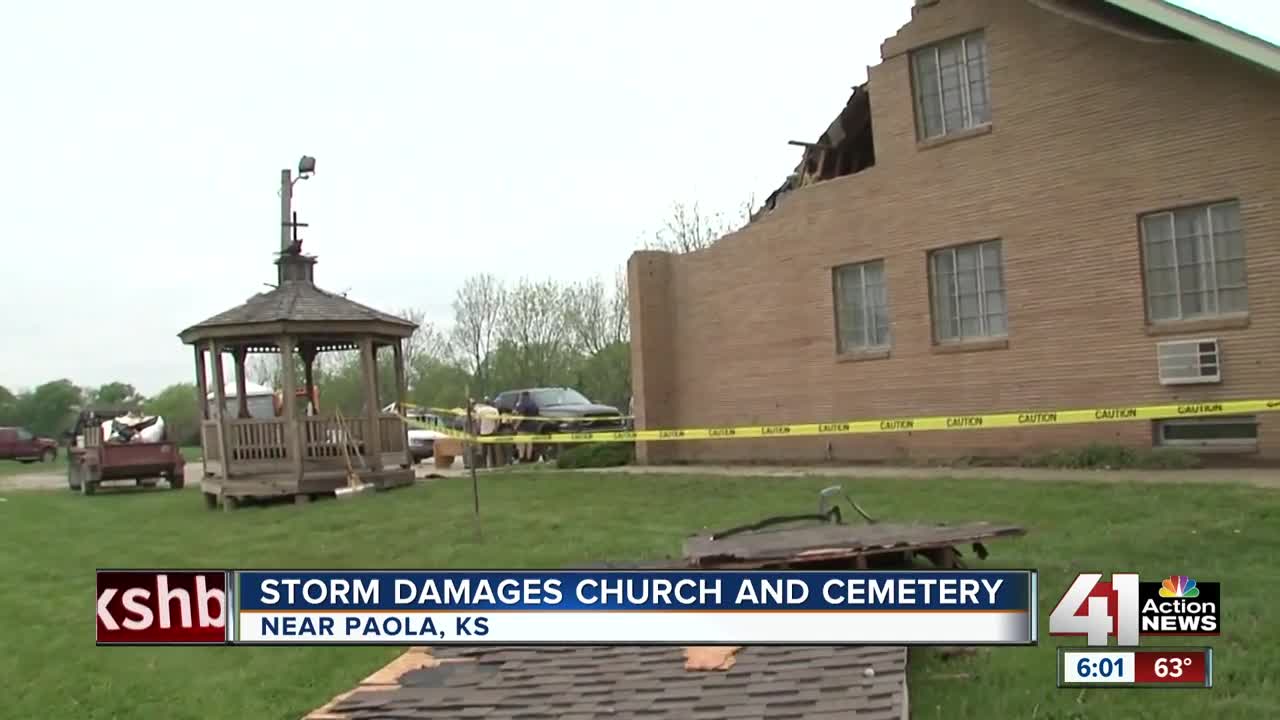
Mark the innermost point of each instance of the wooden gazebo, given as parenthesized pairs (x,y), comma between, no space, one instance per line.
(299,450)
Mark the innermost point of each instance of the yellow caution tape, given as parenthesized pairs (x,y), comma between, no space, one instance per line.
(1039,418)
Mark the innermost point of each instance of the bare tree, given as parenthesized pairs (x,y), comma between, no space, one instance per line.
(587,315)
(428,341)
(620,307)
(596,314)
(536,325)
(689,229)
(264,369)
(477,314)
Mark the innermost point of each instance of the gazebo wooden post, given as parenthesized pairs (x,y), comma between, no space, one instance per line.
(373,438)
(308,351)
(401,389)
(292,427)
(238,353)
(220,404)
(202,386)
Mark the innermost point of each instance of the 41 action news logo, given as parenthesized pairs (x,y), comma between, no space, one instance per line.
(1126,608)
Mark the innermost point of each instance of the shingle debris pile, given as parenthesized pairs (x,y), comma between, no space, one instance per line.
(579,683)
(692,683)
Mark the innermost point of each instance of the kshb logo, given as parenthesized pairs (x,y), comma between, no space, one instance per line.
(1126,608)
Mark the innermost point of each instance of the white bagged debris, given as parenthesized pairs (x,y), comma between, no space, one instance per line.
(153,433)
(134,429)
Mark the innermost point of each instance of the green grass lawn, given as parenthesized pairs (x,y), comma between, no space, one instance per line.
(54,541)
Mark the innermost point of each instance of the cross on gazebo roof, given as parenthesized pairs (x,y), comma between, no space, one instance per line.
(297,300)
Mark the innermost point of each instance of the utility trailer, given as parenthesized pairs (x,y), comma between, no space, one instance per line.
(96,455)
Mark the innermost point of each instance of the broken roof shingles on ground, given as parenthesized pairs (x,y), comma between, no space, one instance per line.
(549,683)
(763,682)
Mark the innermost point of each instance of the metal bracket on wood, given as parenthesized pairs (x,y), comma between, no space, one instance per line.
(827,493)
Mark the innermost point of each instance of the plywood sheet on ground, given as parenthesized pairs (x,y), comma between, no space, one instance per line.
(835,540)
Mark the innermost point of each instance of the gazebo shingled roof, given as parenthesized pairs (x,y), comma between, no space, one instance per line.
(297,299)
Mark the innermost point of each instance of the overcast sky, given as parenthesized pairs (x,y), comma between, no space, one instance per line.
(142,144)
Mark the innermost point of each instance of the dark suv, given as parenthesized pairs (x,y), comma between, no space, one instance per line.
(564,410)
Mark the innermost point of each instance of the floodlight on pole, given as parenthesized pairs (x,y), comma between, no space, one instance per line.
(306,168)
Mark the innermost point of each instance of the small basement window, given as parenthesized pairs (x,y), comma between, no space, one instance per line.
(1209,433)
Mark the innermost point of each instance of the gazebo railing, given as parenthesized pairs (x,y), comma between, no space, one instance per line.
(392,433)
(257,439)
(323,437)
(267,440)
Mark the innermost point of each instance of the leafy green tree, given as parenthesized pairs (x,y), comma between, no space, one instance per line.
(116,394)
(342,385)
(8,406)
(438,383)
(605,377)
(178,406)
(50,408)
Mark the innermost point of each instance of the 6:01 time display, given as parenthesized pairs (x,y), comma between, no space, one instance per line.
(1103,667)
(1092,667)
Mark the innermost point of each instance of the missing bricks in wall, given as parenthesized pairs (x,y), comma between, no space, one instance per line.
(845,148)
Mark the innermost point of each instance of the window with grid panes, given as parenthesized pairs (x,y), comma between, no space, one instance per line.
(862,307)
(1194,262)
(951,86)
(968,292)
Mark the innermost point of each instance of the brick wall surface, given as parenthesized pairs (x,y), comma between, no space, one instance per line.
(1089,130)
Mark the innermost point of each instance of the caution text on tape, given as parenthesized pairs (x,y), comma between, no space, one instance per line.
(888,425)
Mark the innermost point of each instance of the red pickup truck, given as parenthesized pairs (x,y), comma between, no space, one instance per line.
(21,444)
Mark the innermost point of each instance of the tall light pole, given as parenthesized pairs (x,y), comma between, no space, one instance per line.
(306,168)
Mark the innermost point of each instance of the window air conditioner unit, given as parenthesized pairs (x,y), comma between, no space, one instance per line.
(1189,362)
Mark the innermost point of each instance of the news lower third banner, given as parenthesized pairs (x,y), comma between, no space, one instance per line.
(307,607)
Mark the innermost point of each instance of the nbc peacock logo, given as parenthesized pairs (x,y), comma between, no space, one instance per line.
(1179,586)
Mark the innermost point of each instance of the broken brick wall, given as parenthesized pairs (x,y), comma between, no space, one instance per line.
(1089,130)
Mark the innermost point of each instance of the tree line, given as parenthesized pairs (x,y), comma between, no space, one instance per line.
(526,334)
(503,336)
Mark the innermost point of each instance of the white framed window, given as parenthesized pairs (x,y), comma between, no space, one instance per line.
(862,307)
(967,284)
(1194,262)
(950,81)
(1225,432)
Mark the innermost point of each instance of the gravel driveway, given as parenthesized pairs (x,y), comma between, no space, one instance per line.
(54,477)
